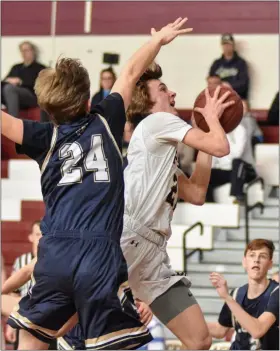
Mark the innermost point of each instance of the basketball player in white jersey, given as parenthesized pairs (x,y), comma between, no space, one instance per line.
(153,183)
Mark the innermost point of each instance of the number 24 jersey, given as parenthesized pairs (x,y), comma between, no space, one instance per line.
(81,170)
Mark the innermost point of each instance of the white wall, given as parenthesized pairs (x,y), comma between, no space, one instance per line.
(185,62)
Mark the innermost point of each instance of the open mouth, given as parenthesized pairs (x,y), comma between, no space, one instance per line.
(172,103)
(256,268)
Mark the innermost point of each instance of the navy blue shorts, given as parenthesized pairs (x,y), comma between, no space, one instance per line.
(88,276)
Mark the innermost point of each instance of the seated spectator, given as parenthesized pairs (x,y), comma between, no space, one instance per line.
(231,68)
(107,80)
(17,89)
(273,113)
(237,168)
(252,309)
(251,125)
(21,261)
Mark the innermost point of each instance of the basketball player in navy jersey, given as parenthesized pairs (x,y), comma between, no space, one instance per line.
(80,263)
(253,309)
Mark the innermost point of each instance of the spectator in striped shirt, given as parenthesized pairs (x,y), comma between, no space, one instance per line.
(21,261)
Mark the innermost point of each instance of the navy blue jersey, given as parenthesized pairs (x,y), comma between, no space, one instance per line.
(268,301)
(81,166)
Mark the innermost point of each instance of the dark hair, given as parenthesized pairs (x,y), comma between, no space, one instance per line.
(108,70)
(141,103)
(63,92)
(258,244)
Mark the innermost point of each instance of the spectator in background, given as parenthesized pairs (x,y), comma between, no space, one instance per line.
(231,68)
(253,309)
(249,122)
(237,168)
(107,80)
(17,89)
(21,261)
(273,113)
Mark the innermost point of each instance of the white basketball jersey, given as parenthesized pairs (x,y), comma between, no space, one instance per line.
(151,188)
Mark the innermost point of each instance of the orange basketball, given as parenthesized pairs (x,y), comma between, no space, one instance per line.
(230,118)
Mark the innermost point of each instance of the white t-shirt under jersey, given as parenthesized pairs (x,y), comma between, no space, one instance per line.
(151,189)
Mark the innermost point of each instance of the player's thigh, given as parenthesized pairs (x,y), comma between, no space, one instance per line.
(29,342)
(104,315)
(179,311)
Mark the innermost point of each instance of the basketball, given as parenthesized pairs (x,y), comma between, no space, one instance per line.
(231,116)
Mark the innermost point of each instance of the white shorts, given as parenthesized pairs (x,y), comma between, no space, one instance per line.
(149,270)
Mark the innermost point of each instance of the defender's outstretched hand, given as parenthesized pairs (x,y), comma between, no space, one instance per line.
(171,31)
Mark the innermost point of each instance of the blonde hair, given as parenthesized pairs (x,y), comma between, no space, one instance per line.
(63,92)
(141,103)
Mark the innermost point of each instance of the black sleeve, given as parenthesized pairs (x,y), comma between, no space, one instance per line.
(225,318)
(273,113)
(273,304)
(112,109)
(96,99)
(36,140)
(14,72)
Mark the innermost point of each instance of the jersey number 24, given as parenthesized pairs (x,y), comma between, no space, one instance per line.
(95,161)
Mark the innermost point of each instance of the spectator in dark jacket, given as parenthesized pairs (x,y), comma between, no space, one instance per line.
(231,68)
(17,89)
(273,113)
(107,80)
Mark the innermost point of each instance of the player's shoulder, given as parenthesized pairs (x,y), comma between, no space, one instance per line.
(274,286)
(158,118)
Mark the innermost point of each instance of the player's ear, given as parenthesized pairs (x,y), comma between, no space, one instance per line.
(30,238)
(270,264)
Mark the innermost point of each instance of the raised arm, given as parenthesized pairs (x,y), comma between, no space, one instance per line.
(11,127)
(141,60)
(256,327)
(194,189)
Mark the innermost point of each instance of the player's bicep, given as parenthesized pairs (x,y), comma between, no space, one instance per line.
(11,127)
(113,110)
(124,87)
(36,141)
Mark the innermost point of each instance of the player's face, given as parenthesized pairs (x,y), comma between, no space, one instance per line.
(107,80)
(163,99)
(34,238)
(257,263)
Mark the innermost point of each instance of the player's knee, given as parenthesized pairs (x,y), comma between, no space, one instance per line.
(200,344)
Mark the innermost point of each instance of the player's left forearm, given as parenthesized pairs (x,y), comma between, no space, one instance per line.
(249,323)
(202,172)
